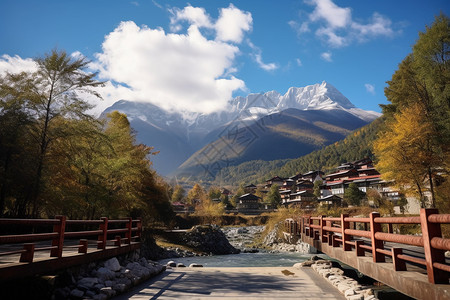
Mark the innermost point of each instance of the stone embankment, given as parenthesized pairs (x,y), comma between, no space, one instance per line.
(351,289)
(106,279)
(277,244)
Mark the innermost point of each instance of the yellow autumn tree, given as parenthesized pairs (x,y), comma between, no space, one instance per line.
(406,152)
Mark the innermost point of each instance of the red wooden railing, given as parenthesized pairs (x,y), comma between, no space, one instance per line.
(341,232)
(126,232)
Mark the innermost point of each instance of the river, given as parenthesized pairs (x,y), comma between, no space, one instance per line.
(240,237)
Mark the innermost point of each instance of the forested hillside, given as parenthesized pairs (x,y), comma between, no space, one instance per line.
(355,146)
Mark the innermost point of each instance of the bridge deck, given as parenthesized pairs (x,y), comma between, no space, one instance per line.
(235,283)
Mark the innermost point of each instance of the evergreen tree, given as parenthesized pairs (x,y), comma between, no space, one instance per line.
(353,195)
(273,196)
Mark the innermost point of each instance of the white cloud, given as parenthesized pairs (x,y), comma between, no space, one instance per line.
(370,88)
(16,64)
(232,24)
(299,62)
(379,26)
(257,56)
(157,4)
(335,16)
(193,15)
(135,3)
(326,56)
(336,26)
(184,72)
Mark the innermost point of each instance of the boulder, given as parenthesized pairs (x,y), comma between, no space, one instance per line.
(105,274)
(195,265)
(112,264)
(209,239)
(76,293)
(171,264)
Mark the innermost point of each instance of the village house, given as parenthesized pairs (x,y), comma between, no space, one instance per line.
(248,204)
(303,200)
(274,180)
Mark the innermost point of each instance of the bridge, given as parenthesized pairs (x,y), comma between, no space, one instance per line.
(49,245)
(412,264)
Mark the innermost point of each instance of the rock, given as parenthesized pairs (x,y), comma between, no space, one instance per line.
(355,297)
(342,287)
(108,283)
(307,263)
(298,265)
(108,291)
(349,292)
(89,294)
(195,265)
(76,293)
(209,239)
(171,264)
(100,297)
(112,264)
(105,274)
(120,287)
(88,282)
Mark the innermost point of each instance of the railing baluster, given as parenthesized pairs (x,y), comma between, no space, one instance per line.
(128,233)
(60,228)
(83,246)
(102,237)
(28,255)
(376,244)
(345,237)
(432,255)
(399,264)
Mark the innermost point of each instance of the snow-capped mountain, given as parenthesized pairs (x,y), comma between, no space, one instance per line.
(178,135)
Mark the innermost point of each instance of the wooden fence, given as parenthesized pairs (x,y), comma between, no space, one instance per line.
(125,232)
(368,234)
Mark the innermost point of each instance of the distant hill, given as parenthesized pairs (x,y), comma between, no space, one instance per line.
(356,145)
(289,134)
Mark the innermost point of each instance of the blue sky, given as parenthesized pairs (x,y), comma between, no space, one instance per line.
(194,56)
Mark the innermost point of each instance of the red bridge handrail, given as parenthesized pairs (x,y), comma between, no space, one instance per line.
(346,232)
(125,232)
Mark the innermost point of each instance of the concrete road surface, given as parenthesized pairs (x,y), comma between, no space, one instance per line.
(235,283)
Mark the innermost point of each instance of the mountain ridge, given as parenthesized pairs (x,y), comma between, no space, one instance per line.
(178,135)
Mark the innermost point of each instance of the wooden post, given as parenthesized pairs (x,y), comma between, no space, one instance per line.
(27,256)
(128,234)
(376,244)
(104,235)
(399,264)
(390,228)
(321,229)
(330,238)
(359,250)
(345,237)
(83,246)
(139,226)
(117,241)
(432,255)
(58,242)
(334,242)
